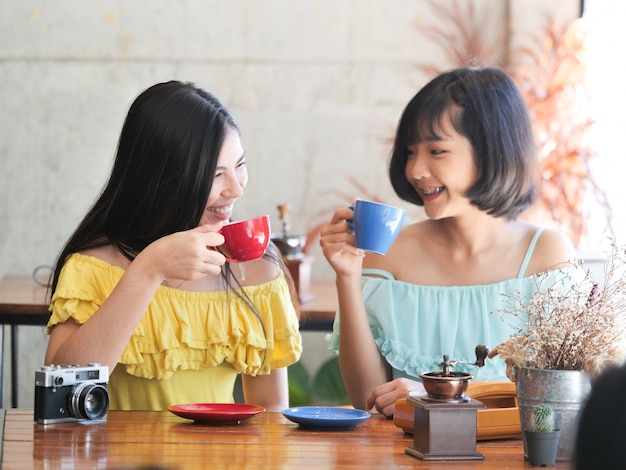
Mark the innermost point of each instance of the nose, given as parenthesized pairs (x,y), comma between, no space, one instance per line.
(235,183)
(417,167)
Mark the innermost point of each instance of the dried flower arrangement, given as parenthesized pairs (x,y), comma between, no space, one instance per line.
(551,74)
(572,324)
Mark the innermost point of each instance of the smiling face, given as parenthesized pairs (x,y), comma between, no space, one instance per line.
(441,168)
(231,177)
(483,105)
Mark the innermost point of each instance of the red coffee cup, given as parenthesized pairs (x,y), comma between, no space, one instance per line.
(245,240)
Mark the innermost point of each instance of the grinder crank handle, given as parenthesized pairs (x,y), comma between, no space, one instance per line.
(481,354)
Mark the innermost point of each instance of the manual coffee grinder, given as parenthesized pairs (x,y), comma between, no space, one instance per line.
(298,263)
(444,426)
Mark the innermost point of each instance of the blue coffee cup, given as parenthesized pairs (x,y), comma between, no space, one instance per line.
(376,225)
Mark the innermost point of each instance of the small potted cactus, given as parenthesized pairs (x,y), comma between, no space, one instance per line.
(543,439)
(543,418)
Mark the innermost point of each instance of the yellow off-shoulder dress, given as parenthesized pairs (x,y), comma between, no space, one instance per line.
(189,346)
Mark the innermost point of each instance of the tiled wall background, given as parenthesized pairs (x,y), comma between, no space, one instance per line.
(316,87)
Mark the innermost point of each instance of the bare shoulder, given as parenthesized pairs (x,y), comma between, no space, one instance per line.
(108,253)
(553,249)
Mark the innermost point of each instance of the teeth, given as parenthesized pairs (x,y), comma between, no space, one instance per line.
(220,211)
(431,191)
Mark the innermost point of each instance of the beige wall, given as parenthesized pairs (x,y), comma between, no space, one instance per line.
(316,86)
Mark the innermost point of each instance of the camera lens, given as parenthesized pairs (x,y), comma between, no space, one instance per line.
(89,401)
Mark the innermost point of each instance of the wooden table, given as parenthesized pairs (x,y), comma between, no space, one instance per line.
(23,302)
(139,439)
(318,313)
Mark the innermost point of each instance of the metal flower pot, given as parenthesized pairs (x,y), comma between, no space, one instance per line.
(565,390)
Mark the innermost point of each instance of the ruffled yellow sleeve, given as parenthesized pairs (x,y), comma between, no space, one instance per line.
(185,330)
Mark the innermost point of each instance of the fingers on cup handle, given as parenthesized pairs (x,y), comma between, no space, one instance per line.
(351,222)
(215,248)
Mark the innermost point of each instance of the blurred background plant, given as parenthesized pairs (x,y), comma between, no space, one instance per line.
(324,388)
(550,70)
(551,73)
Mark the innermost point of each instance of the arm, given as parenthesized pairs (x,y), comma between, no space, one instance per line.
(269,391)
(361,364)
(362,367)
(375,374)
(183,255)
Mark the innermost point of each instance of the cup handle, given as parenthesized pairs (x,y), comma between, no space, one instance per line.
(350,222)
(230,260)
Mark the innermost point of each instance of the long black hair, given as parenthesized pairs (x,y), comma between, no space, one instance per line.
(162,176)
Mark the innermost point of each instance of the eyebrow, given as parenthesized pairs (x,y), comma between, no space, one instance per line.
(241,159)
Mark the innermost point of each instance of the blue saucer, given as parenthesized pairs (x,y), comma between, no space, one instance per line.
(328,417)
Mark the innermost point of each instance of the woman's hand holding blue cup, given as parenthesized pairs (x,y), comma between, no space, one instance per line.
(376,225)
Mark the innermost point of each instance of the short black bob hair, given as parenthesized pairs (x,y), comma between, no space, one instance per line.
(484,105)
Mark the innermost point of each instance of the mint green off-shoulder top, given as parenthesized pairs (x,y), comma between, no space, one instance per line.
(415,325)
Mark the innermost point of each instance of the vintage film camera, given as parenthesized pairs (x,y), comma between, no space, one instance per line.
(71,393)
